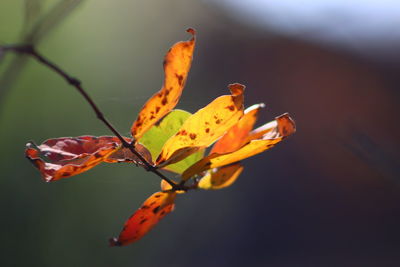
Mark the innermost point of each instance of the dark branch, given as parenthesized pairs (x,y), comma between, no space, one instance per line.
(30,50)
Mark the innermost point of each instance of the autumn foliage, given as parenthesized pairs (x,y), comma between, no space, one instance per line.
(172,140)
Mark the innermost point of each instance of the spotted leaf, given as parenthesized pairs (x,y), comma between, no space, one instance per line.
(145,218)
(283,127)
(204,127)
(68,156)
(176,67)
(156,136)
(236,137)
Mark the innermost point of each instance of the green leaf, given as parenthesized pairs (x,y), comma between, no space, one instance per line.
(156,136)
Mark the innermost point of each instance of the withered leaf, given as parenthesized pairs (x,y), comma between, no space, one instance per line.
(68,156)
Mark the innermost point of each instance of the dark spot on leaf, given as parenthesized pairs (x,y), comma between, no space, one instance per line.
(192,136)
(145,207)
(207,130)
(162,213)
(231,107)
(156,209)
(218,121)
(142,221)
(208,163)
(183,132)
(152,117)
(180,78)
(157,196)
(157,109)
(164,101)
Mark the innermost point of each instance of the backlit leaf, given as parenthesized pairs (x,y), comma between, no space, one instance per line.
(145,218)
(204,127)
(222,177)
(64,157)
(156,136)
(236,137)
(284,126)
(176,67)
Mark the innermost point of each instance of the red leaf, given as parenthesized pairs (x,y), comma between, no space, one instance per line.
(145,218)
(64,157)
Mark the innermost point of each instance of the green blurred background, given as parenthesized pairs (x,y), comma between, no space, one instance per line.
(327,196)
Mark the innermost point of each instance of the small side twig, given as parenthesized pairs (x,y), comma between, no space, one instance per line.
(30,50)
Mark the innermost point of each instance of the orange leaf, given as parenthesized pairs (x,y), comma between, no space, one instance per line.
(64,157)
(223,177)
(284,126)
(236,137)
(204,127)
(145,218)
(176,67)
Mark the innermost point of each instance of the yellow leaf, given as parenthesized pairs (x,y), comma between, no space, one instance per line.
(176,67)
(223,177)
(284,126)
(204,127)
(236,137)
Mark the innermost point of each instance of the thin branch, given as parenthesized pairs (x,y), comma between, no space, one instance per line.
(30,50)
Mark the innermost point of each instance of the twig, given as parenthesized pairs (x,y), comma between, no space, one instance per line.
(30,50)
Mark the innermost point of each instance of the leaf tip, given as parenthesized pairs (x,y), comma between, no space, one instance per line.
(286,125)
(236,88)
(191,31)
(113,242)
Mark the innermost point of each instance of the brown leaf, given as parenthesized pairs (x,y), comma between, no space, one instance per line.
(68,156)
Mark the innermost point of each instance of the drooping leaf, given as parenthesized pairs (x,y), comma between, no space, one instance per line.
(176,67)
(222,177)
(145,218)
(236,137)
(156,136)
(204,127)
(68,156)
(284,126)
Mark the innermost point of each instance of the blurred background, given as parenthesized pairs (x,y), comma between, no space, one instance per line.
(327,196)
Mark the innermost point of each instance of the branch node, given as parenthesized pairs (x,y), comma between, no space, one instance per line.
(73,81)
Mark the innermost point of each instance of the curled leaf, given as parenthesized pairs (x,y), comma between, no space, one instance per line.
(68,156)
(222,177)
(204,127)
(176,67)
(284,126)
(236,137)
(145,218)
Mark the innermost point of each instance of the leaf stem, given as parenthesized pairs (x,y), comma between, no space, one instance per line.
(30,50)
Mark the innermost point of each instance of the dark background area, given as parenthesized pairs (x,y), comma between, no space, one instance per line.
(327,196)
